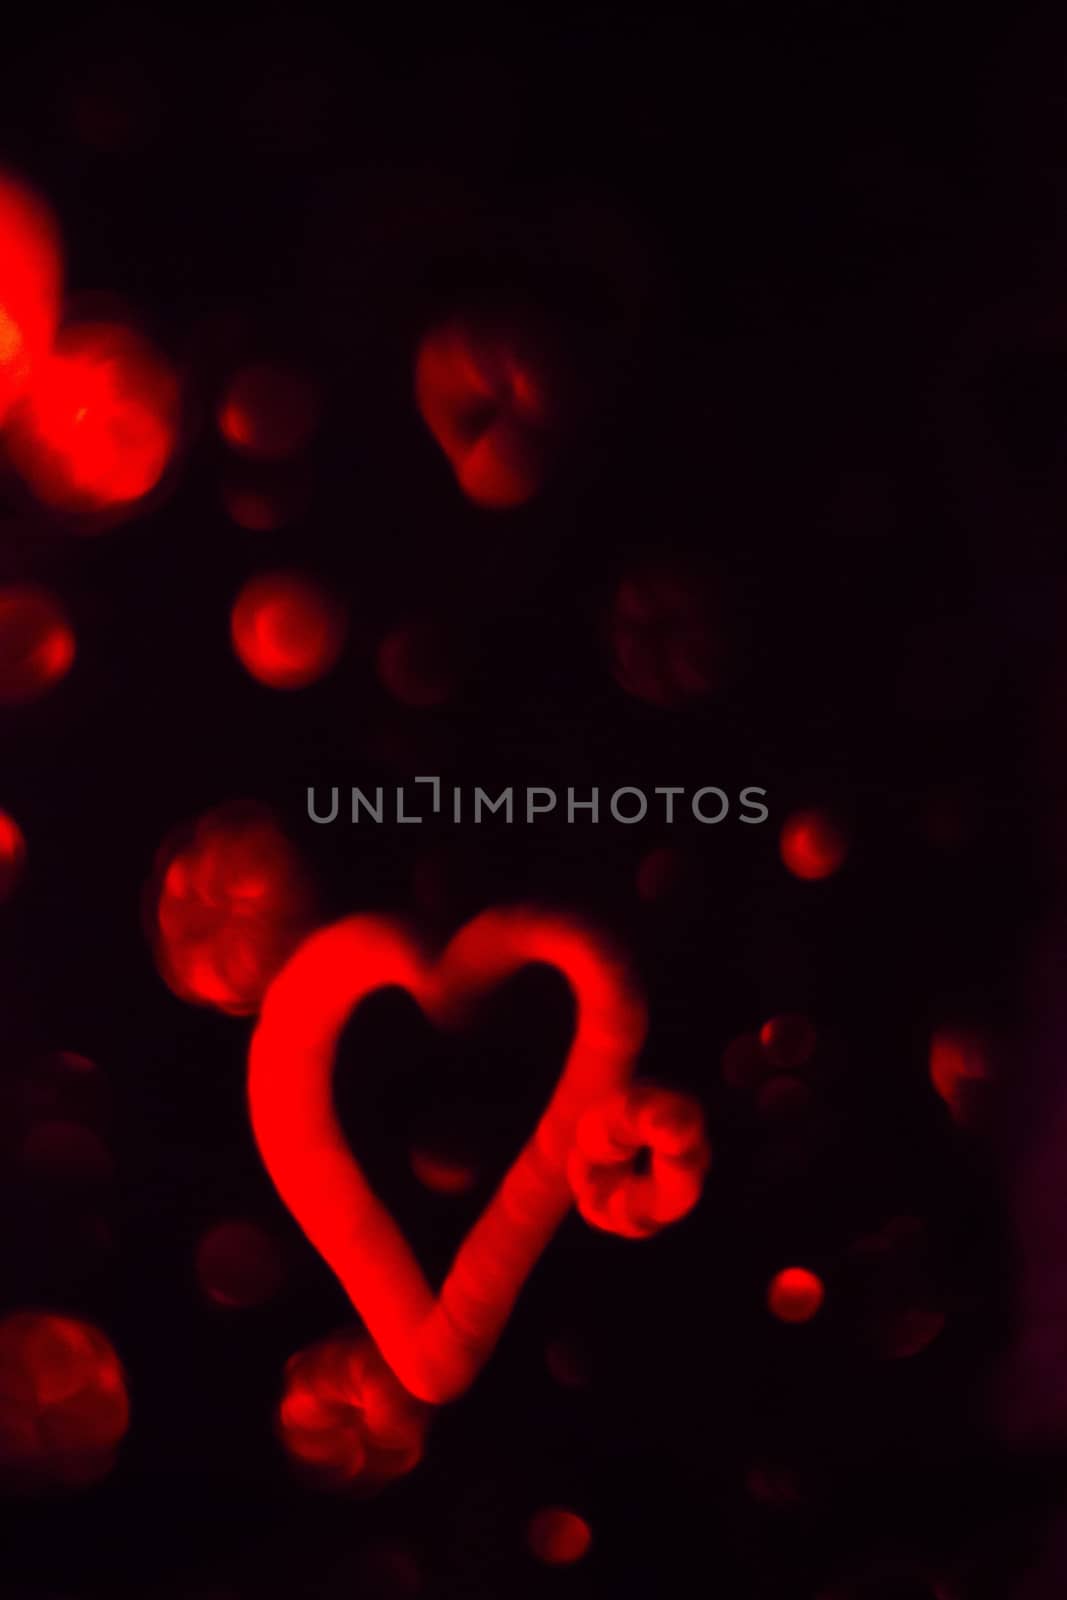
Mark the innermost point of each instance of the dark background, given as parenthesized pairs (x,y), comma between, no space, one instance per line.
(814,268)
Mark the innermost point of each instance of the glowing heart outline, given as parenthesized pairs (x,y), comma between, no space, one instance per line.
(435,1344)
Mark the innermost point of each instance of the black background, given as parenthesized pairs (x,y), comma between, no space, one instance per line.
(814,267)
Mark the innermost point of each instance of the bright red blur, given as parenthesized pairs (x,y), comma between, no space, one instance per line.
(231,904)
(287,631)
(12,855)
(99,423)
(344,1417)
(558,1537)
(609,1190)
(31,273)
(64,1408)
(435,1343)
(487,399)
(795,1295)
(813,844)
(959,1069)
(36,643)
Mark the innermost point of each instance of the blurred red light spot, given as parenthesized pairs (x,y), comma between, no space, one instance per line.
(909,1333)
(660,873)
(99,423)
(610,1190)
(269,412)
(417,665)
(30,286)
(36,643)
(788,1042)
(287,631)
(256,510)
(959,1068)
(558,1537)
(487,401)
(813,845)
(238,1265)
(665,641)
(567,1362)
(784,1096)
(12,855)
(388,1570)
(443,1174)
(233,903)
(744,1065)
(63,1402)
(345,1417)
(66,1152)
(795,1295)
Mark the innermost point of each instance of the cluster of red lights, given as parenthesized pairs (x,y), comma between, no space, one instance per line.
(92,417)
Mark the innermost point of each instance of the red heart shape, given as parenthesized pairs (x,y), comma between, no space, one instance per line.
(435,1344)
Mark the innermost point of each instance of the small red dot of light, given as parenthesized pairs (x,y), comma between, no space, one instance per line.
(567,1363)
(660,873)
(558,1537)
(441,1173)
(269,412)
(959,1067)
(788,1042)
(12,855)
(238,1265)
(414,664)
(813,845)
(287,631)
(36,643)
(795,1295)
(100,421)
(30,287)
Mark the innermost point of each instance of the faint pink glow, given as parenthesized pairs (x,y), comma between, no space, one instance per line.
(238,1265)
